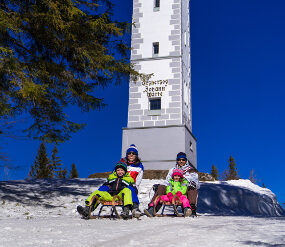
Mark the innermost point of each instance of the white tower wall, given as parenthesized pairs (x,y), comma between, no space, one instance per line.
(161,134)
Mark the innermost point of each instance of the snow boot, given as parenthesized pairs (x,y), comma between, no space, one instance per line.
(125,213)
(187,212)
(84,211)
(149,212)
(136,213)
(193,208)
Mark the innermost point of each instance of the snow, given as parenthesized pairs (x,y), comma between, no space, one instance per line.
(238,197)
(43,213)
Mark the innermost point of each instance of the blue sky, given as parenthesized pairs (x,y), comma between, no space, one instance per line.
(238,83)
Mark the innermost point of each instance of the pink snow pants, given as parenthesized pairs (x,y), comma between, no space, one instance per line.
(182,198)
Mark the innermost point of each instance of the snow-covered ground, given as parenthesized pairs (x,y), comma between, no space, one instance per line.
(43,213)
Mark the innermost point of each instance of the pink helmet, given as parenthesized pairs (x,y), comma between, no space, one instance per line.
(177,172)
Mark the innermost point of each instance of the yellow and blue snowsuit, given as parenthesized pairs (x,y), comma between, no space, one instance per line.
(115,186)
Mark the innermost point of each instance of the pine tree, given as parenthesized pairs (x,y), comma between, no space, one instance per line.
(62,173)
(252,177)
(225,175)
(42,167)
(232,173)
(73,172)
(263,185)
(214,172)
(56,162)
(57,53)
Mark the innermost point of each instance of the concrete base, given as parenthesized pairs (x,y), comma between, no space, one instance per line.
(158,146)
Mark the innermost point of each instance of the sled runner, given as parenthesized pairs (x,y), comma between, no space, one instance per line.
(176,202)
(116,202)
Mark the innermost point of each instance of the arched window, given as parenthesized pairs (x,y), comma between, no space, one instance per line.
(156,3)
(155,49)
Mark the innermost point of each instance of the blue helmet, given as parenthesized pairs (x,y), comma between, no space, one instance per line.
(132,148)
(181,155)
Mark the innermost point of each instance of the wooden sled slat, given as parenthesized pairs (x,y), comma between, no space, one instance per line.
(117,198)
(116,202)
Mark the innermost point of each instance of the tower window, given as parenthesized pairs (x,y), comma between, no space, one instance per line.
(156,5)
(155,104)
(155,48)
(191,146)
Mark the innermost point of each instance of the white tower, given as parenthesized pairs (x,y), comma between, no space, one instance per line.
(160,114)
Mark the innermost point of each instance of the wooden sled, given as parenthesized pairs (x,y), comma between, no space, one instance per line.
(176,202)
(116,202)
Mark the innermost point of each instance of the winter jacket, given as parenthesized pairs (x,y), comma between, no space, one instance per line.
(136,171)
(116,184)
(174,187)
(189,173)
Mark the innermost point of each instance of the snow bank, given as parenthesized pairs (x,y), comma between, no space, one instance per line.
(54,197)
(238,197)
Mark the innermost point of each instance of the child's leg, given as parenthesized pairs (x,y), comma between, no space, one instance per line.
(165,198)
(170,196)
(184,201)
(127,196)
(103,194)
(161,190)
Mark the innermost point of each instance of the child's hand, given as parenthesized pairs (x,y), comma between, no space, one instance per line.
(179,193)
(170,196)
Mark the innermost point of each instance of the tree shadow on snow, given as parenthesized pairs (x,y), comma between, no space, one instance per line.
(259,243)
(224,199)
(39,191)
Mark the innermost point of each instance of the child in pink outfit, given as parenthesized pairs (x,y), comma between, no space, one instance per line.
(178,186)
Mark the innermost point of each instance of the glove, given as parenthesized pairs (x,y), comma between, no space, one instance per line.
(170,196)
(192,185)
(178,193)
(155,187)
